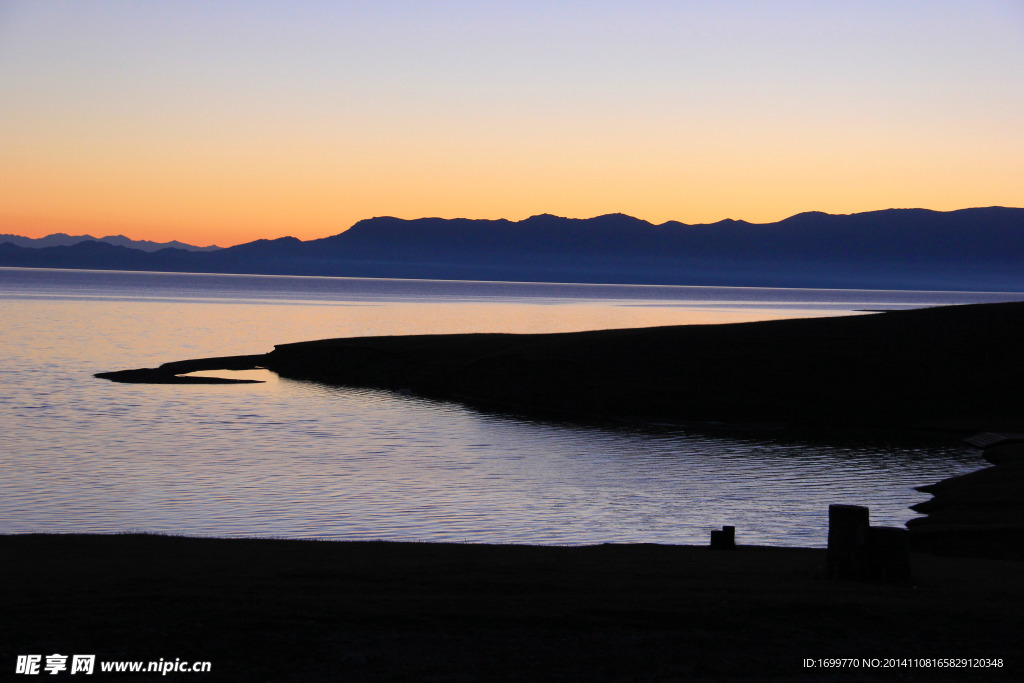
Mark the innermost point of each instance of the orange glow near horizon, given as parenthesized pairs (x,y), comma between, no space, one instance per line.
(241,194)
(158,126)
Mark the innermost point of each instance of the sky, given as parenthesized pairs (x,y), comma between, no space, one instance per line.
(220,123)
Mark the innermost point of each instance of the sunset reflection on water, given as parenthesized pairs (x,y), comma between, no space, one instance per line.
(298,459)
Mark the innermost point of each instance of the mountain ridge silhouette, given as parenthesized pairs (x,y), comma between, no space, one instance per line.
(61,239)
(976,248)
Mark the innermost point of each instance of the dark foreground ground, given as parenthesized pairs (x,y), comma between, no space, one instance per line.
(273,610)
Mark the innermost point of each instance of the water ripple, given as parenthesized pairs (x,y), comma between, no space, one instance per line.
(302,460)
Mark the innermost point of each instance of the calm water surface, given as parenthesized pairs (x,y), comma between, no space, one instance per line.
(298,459)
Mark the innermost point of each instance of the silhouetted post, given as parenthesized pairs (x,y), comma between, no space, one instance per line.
(847,540)
(724,539)
(888,554)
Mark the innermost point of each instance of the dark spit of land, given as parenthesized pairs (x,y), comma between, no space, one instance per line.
(951,368)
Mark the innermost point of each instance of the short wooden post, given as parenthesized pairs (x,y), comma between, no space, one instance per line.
(724,538)
(847,540)
(888,554)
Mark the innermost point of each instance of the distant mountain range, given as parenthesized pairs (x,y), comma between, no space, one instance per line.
(970,249)
(60,239)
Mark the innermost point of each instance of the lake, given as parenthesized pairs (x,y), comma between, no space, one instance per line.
(303,460)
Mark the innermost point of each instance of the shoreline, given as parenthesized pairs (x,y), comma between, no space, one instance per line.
(286,610)
(951,370)
(978,514)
